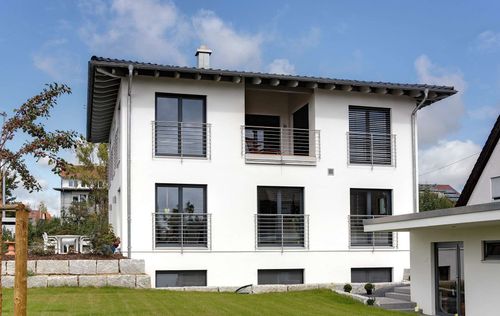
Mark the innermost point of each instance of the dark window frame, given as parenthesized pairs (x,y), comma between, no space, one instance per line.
(485,256)
(179,271)
(366,154)
(389,203)
(302,204)
(180,186)
(302,271)
(180,97)
(367,269)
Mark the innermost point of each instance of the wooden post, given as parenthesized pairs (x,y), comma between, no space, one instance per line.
(21,271)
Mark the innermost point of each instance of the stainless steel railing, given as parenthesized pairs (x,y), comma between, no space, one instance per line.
(287,145)
(282,231)
(359,238)
(181,139)
(371,148)
(182,230)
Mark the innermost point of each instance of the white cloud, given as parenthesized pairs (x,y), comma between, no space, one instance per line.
(230,48)
(281,66)
(442,119)
(484,112)
(146,29)
(488,41)
(47,195)
(432,162)
(56,61)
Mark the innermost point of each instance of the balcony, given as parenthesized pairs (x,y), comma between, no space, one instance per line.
(359,238)
(371,149)
(182,230)
(279,145)
(282,231)
(181,140)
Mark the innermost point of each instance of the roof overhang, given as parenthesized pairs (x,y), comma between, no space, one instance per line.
(456,217)
(104,79)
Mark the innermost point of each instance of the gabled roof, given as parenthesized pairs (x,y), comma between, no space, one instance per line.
(105,74)
(481,163)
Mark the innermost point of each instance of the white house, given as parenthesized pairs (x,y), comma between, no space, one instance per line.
(72,190)
(227,178)
(455,253)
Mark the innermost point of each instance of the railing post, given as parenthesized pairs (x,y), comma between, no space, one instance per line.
(282,246)
(371,148)
(182,233)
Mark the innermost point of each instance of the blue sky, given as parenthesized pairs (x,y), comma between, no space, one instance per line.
(436,42)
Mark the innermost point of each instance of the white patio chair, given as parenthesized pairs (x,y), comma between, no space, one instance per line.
(50,243)
(85,244)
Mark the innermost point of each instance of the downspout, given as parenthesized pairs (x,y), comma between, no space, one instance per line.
(414,150)
(129,120)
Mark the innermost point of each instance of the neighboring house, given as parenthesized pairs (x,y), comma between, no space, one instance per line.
(227,178)
(37,215)
(443,190)
(455,252)
(72,190)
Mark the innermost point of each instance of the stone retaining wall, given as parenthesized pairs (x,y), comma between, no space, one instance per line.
(96,273)
(258,289)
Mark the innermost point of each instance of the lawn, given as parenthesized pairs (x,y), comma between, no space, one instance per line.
(115,301)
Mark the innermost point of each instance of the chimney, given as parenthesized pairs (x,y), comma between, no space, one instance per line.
(203,57)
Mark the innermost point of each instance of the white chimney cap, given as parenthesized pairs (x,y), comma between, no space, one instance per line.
(203,56)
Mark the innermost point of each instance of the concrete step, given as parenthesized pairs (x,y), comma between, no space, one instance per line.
(402,289)
(399,296)
(392,303)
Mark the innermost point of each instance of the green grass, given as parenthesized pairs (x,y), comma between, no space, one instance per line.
(115,301)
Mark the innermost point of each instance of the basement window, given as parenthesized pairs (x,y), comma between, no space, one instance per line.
(283,276)
(373,275)
(491,250)
(181,278)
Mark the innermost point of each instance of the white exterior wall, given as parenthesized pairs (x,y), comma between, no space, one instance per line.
(481,277)
(482,190)
(232,187)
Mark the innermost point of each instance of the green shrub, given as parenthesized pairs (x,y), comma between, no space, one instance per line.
(370,301)
(347,288)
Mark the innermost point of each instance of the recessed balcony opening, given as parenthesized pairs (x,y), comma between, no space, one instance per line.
(279,128)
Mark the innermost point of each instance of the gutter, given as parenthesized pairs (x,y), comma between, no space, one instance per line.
(129,121)
(414,150)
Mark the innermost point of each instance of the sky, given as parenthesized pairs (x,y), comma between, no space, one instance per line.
(434,42)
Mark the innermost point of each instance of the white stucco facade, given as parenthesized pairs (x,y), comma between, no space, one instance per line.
(233,259)
(481,277)
(482,192)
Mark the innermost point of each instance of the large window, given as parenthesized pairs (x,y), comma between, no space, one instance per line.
(370,139)
(283,276)
(181,278)
(180,125)
(368,204)
(280,217)
(181,218)
(373,275)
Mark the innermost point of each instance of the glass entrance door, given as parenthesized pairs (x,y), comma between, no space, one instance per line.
(449,269)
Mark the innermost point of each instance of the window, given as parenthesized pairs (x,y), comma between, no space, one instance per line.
(180,127)
(373,275)
(280,217)
(83,198)
(495,188)
(180,219)
(284,276)
(491,250)
(75,198)
(367,204)
(371,202)
(181,278)
(262,134)
(369,134)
